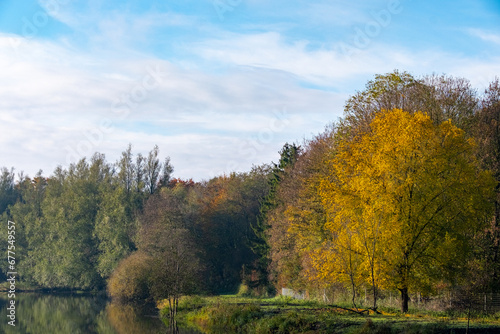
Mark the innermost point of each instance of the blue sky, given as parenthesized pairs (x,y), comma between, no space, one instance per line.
(218,85)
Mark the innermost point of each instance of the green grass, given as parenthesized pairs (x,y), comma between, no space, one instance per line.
(239,314)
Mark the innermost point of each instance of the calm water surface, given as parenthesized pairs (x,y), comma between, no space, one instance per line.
(65,314)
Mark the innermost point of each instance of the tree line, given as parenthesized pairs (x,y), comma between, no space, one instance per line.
(75,227)
(402,193)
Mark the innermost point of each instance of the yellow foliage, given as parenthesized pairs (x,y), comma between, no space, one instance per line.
(399,200)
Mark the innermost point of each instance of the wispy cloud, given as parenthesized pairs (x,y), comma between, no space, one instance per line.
(53,100)
(486,36)
(226,84)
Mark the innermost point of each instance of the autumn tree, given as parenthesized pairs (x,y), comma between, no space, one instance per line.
(413,195)
(485,266)
(229,206)
(297,218)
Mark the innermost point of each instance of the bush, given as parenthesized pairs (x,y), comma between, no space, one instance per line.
(129,281)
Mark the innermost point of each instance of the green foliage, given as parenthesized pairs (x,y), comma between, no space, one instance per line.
(230,317)
(294,316)
(113,228)
(369,327)
(73,227)
(189,303)
(260,243)
(8,191)
(290,322)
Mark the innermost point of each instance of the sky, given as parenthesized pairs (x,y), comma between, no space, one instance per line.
(218,85)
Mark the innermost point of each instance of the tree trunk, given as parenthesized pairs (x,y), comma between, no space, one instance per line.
(374,289)
(404,299)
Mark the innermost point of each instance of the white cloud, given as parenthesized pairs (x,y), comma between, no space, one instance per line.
(485,36)
(221,108)
(53,100)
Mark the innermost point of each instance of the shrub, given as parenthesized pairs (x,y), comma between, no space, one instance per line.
(129,281)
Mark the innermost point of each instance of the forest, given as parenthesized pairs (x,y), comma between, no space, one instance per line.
(400,194)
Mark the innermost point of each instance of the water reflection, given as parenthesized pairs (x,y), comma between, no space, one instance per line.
(63,314)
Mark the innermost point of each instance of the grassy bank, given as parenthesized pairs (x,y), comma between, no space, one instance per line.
(233,314)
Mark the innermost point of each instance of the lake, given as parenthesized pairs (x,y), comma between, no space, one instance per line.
(85,314)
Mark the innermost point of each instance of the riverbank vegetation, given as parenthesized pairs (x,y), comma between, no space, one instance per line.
(233,313)
(399,197)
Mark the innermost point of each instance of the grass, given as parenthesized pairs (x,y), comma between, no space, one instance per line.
(238,314)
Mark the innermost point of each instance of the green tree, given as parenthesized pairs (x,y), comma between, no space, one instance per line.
(68,253)
(127,170)
(27,214)
(260,240)
(113,229)
(156,173)
(8,192)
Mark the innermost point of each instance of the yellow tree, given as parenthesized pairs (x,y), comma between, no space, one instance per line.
(412,194)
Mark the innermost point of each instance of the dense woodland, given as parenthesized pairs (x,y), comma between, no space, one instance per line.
(401,194)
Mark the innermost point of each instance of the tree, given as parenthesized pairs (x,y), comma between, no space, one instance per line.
(228,207)
(139,173)
(442,97)
(486,264)
(27,214)
(126,169)
(152,170)
(414,186)
(259,242)
(296,220)
(113,228)
(164,237)
(8,193)
(166,172)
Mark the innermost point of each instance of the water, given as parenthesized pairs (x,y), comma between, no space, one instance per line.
(65,314)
